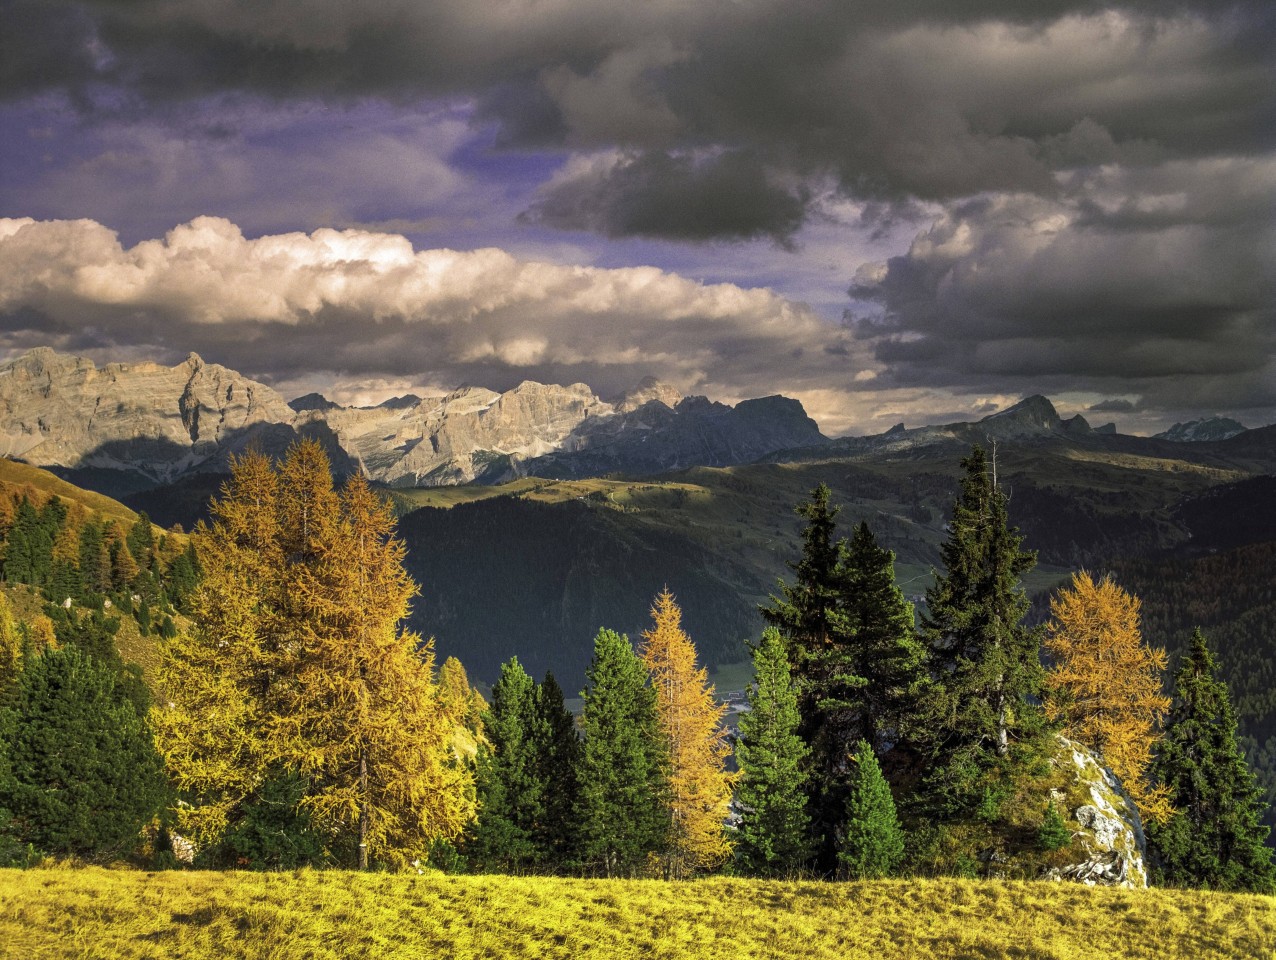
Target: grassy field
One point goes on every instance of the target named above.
(112, 915)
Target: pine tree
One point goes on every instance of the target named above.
(987, 663)
(95, 560)
(873, 844)
(19, 563)
(1105, 684)
(508, 777)
(772, 836)
(82, 774)
(860, 667)
(558, 761)
(695, 743)
(623, 807)
(1215, 838)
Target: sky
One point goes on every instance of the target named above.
(894, 210)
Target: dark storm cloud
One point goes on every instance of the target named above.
(678, 197)
(1164, 278)
(1112, 406)
(927, 99)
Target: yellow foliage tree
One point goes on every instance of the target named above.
(10, 645)
(691, 721)
(216, 680)
(361, 706)
(297, 663)
(1106, 683)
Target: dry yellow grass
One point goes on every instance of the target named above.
(112, 915)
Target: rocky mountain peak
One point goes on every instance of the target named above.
(1197, 431)
(1035, 411)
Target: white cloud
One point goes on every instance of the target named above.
(358, 302)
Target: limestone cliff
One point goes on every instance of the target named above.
(161, 423)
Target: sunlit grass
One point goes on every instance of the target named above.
(121, 914)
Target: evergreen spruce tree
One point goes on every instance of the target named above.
(1215, 838)
(507, 777)
(987, 663)
(812, 616)
(558, 750)
(623, 807)
(860, 668)
(882, 647)
(873, 843)
(82, 772)
(95, 560)
(772, 836)
(19, 564)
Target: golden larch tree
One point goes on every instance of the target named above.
(216, 680)
(296, 662)
(360, 714)
(1106, 684)
(691, 722)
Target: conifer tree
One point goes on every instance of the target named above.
(558, 761)
(1105, 684)
(987, 663)
(1215, 838)
(11, 647)
(772, 836)
(218, 681)
(82, 773)
(95, 560)
(860, 667)
(19, 560)
(623, 806)
(812, 616)
(298, 657)
(508, 778)
(882, 647)
(695, 743)
(360, 714)
(462, 702)
(873, 842)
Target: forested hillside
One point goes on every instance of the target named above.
(1231, 596)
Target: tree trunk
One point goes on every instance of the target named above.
(363, 809)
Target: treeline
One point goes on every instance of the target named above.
(69, 554)
(876, 745)
(297, 723)
(79, 772)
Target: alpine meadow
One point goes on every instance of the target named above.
(719, 480)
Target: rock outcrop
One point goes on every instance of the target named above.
(1108, 825)
(160, 423)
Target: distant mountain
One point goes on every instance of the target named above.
(130, 427)
(1195, 431)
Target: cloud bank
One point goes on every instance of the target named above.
(352, 303)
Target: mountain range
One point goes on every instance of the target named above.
(131, 426)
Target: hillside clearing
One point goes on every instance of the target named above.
(116, 915)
